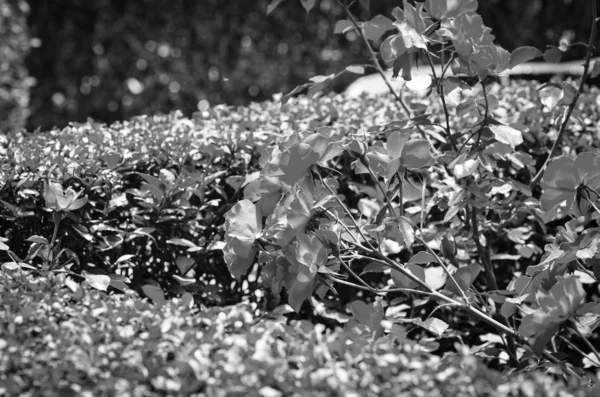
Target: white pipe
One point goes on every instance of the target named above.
(374, 85)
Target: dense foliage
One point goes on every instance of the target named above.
(60, 338)
(447, 236)
(84, 157)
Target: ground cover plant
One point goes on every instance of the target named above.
(426, 243)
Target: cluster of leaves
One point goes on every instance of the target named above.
(138, 203)
(14, 80)
(61, 338)
(445, 199)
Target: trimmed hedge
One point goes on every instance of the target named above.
(60, 338)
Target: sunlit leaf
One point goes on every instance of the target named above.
(243, 225)
(466, 168)
(594, 68)
(550, 95)
(433, 325)
(97, 281)
(506, 134)
(441, 9)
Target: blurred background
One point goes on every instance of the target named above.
(64, 61)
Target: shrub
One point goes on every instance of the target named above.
(453, 193)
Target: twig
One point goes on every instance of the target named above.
(374, 57)
(440, 90)
(572, 105)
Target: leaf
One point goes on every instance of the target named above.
(298, 293)
(297, 90)
(433, 325)
(187, 300)
(506, 134)
(416, 154)
(274, 4)
(464, 276)
(587, 323)
(155, 293)
(553, 54)
(37, 239)
(370, 315)
(310, 253)
(181, 241)
(466, 168)
(403, 281)
(118, 284)
(320, 83)
(52, 191)
(374, 267)
(441, 9)
(9, 267)
(594, 69)
(361, 311)
(243, 224)
(550, 95)
(97, 281)
(436, 277)
(403, 62)
(124, 258)
(183, 281)
(377, 27)
(407, 231)
(422, 258)
(295, 161)
(184, 264)
(357, 69)
(152, 180)
(523, 54)
(343, 26)
(392, 48)
(555, 307)
(308, 4)
(235, 181)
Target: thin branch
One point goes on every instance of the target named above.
(440, 90)
(347, 212)
(374, 57)
(485, 260)
(572, 105)
(587, 342)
